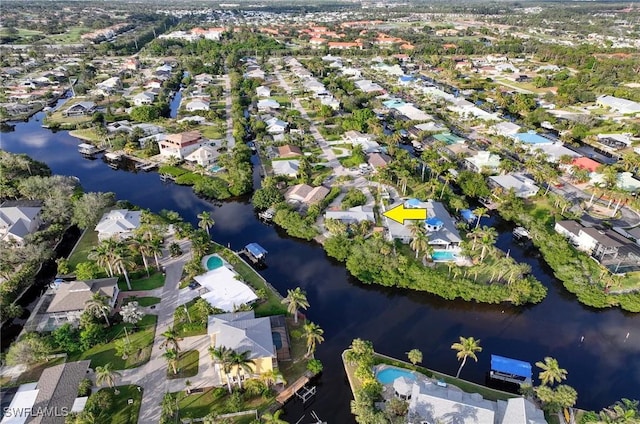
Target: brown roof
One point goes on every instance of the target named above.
(72, 295)
(379, 160)
(185, 137)
(289, 150)
(307, 194)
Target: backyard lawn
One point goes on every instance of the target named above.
(193, 323)
(87, 134)
(105, 353)
(211, 132)
(187, 365)
(121, 411)
(155, 281)
(292, 370)
(216, 400)
(87, 241)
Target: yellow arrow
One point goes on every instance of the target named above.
(401, 214)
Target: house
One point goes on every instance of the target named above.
(69, 298)
(265, 105)
(286, 167)
(378, 160)
(118, 223)
(263, 91)
(224, 287)
(255, 73)
(615, 141)
(48, 400)
(448, 138)
(405, 79)
(204, 155)
(276, 126)
(110, 85)
(483, 160)
(505, 129)
(344, 45)
(586, 163)
(356, 138)
(243, 332)
(355, 214)
(197, 105)
(531, 137)
(180, 145)
(19, 219)
(569, 229)
(522, 186)
(305, 194)
(80, 109)
(625, 181)
(145, 98)
(203, 79)
(289, 150)
(368, 86)
(623, 106)
(554, 151)
(599, 243)
(330, 101)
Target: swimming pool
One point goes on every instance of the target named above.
(214, 262)
(215, 169)
(443, 256)
(388, 375)
(277, 340)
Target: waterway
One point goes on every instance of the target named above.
(603, 367)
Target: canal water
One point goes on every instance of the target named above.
(603, 367)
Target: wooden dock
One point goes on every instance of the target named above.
(290, 391)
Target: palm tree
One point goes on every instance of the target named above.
(101, 254)
(171, 340)
(242, 362)
(415, 356)
(417, 227)
(296, 299)
(313, 335)
(168, 405)
(222, 356)
(467, 347)
(107, 375)
(274, 418)
(171, 355)
(98, 306)
(155, 249)
(551, 372)
(487, 239)
(206, 221)
(122, 260)
(480, 212)
(271, 377)
(419, 243)
(142, 246)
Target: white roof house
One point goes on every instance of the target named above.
(355, 214)
(368, 86)
(524, 187)
(197, 104)
(413, 113)
(16, 222)
(266, 104)
(204, 155)
(506, 129)
(263, 91)
(623, 106)
(286, 167)
(242, 332)
(144, 98)
(276, 126)
(110, 84)
(356, 138)
(118, 223)
(554, 151)
(224, 290)
(483, 160)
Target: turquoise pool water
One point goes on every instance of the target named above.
(388, 375)
(214, 262)
(215, 168)
(443, 255)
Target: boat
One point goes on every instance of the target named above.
(521, 233)
(88, 150)
(267, 215)
(113, 157)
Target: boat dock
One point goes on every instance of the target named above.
(267, 215)
(292, 390)
(255, 253)
(89, 150)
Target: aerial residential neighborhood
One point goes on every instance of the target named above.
(213, 212)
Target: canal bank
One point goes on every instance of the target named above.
(394, 320)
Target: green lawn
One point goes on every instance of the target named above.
(187, 365)
(121, 411)
(211, 132)
(87, 241)
(631, 280)
(31, 374)
(72, 35)
(155, 281)
(214, 400)
(143, 301)
(87, 134)
(106, 353)
(197, 326)
(292, 370)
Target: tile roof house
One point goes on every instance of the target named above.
(586, 163)
(286, 167)
(204, 155)
(379, 160)
(180, 145)
(70, 298)
(289, 150)
(18, 219)
(118, 223)
(242, 332)
(304, 193)
(55, 390)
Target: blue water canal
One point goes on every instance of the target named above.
(604, 367)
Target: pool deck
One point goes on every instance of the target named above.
(205, 259)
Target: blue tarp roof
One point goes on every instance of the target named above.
(510, 366)
(412, 203)
(467, 215)
(256, 250)
(434, 222)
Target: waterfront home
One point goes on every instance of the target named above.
(69, 298)
(599, 243)
(378, 160)
(224, 289)
(482, 161)
(276, 126)
(263, 91)
(80, 109)
(203, 79)
(180, 145)
(118, 223)
(522, 186)
(18, 219)
(197, 105)
(242, 332)
(289, 151)
(144, 98)
(56, 391)
(622, 106)
(286, 167)
(305, 195)
(265, 105)
(205, 156)
(351, 215)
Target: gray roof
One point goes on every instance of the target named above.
(58, 389)
(571, 226)
(450, 405)
(520, 411)
(72, 295)
(241, 331)
(357, 214)
(119, 221)
(19, 220)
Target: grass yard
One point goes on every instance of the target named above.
(87, 241)
(121, 411)
(72, 35)
(211, 132)
(630, 281)
(31, 374)
(106, 353)
(155, 281)
(143, 301)
(87, 134)
(187, 365)
(215, 400)
(184, 328)
(292, 370)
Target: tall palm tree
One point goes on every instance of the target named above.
(480, 212)
(155, 249)
(222, 356)
(296, 299)
(271, 377)
(142, 246)
(417, 227)
(168, 405)
(274, 418)
(171, 355)
(242, 363)
(171, 340)
(205, 221)
(122, 261)
(488, 238)
(101, 254)
(466, 348)
(415, 356)
(107, 375)
(98, 306)
(551, 372)
(312, 333)
(419, 243)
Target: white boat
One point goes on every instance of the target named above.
(114, 157)
(520, 232)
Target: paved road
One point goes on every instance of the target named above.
(231, 142)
